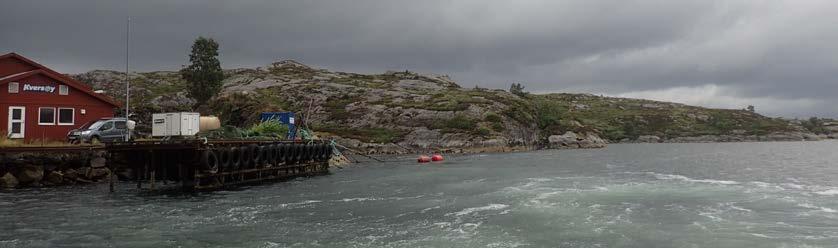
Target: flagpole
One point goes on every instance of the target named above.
(127, 82)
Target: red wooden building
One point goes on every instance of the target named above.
(37, 103)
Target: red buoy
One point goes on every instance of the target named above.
(423, 159)
(436, 157)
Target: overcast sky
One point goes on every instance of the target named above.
(781, 56)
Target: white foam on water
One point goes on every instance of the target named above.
(817, 208)
(740, 208)
(442, 224)
(302, 203)
(699, 225)
(429, 209)
(271, 244)
(793, 185)
(828, 192)
(687, 179)
(489, 207)
(767, 185)
(360, 199)
(506, 244)
(540, 179)
(760, 235)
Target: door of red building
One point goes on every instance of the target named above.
(17, 125)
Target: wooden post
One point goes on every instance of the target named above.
(183, 183)
(111, 180)
(196, 180)
(153, 165)
(151, 183)
(135, 168)
(165, 172)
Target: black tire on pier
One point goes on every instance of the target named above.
(287, 153)
(327, 152)
(312, 152)
(277, 150)
(245, 157)
(298, 152)
(235, 159)
(306, 153)
(316, 152)
(280, 153)
(209, 161)
(268, 155)
(323, 152)
(256, 154)
(224, 158)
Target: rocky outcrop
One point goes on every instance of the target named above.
(648, 139)
(570, 140)
(399, 112)
(24, 170)
(786, 136)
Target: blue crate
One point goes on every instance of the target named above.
(284, 118)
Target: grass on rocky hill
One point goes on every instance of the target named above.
(613, 118)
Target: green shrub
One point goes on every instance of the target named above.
(492, 117)
(498, 127)
(269, 128)
(548, 113)
(482, 131)
(460, 122)
(225, 132)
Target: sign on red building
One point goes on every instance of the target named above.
(37, 103)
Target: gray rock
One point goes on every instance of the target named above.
(648, 139)
(99, 173)
(8, 181)
(566, 139)
(84, 172)
(580, 106)
(30, 174)
(98, 162)
(651, 106)
(572, 140)
(70, 175)
(54, 178)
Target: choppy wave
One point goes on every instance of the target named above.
(687, 179)
(493, 206)
(818, 208)
(828, 192)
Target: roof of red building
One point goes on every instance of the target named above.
(43, 70)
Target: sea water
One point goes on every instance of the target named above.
(781, 194)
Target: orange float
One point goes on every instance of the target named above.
(437, 157)
(424, 159)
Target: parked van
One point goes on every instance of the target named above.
(102, 130)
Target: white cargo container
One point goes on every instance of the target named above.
(175, 124)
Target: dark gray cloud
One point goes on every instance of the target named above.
(778, 55)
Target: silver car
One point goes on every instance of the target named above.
(103, 130)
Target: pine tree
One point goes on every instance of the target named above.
(204, 74)
(517, 89)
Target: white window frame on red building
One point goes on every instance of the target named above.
(22, 122)
(46, 123)
(14, 88)
(72, 117)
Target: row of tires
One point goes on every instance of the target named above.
(261, 156)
